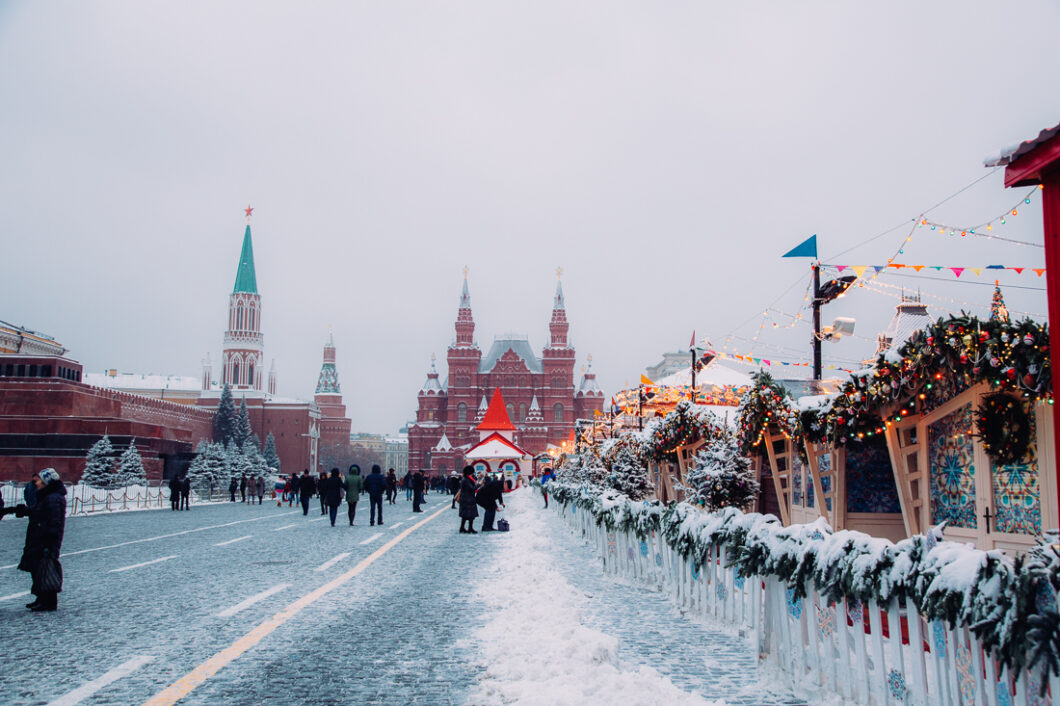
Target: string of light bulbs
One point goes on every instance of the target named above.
(964, 231)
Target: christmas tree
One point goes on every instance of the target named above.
(271, 457)
(131, 467)
(209, 470)
(242, 433)
(998, 311)
(224, 422)
(238, 463)
(255, 460)
(722, 477)
(99, 465)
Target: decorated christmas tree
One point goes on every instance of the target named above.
(722, 477)
(99, 465)
(224, 422)
(131, 467)
(998, 311)
(271, 457)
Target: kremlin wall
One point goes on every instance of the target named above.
(51, 412)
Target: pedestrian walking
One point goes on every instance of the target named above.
(452, 486)
(466, 498)
(406, 483)
(243, 487)
(391, 486)
(306, 488)
(545, 478)
(293, 496)
(489, 496)
(44, 539)
(333, 493)
(417, 491)
(260, 484)
(233, 486)
(185, 492)
(322, 490)
(354, 485)
(174, 493)
(375, 484)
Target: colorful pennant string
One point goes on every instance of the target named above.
(859, 270)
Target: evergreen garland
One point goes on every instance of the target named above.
(1009, 604)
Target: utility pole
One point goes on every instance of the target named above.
(817, 320)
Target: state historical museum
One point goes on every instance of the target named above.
(538, 392)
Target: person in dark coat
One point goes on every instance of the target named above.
(174, 493)
(489, 496)
(417, 491)
(468, 508)
(44, 535)
(186, 492)
(406, 483)
(322, 491)
(243, 487)
(233, 486)
(391, 486)
(333, 494)
(306, 487)
(375, 484)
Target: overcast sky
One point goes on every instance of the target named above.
(665, 154)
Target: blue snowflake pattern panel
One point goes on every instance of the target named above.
(1017, 495)
(951, 455)
(870, 480)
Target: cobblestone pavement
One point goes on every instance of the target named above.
(169, 586)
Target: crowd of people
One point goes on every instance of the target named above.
(44, 504)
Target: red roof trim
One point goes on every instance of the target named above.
(497, 437)
(496, 418)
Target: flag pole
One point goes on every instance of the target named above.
(816, 320)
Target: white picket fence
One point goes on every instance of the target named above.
(846, 649)
(83, 500)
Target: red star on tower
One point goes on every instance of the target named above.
(248, 210)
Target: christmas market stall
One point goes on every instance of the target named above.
(951, 427)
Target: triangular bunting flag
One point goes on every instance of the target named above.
(917, 267)
(859, 270)
(807, 248)
(1019, 270)
(840, 268)
(879, 268)
(767, 362)
(957, 270)
(1038, 271)
(995, 267)
(977, 270)
(937, 268)
(896, 266)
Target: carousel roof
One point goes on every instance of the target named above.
(495, 446)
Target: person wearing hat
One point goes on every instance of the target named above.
(466, 499)
(44, 538)
(354, 484)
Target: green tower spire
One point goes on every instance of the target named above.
(245, 279)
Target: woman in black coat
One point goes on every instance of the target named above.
(332, 493)
(44, 535)
(468, 507)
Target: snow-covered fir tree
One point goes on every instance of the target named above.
(255, 461)
(238, 463)
(131, 467)
(198, 472)
(271, 457)
(721, 477)
(243, 432)
(224, 421)
(628, 469)
(217, 472)
(99, 465)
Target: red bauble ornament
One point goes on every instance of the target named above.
(1011, 372)
(1029, 380)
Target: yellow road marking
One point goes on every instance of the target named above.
(184, 686)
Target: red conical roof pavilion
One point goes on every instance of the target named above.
(496, 418)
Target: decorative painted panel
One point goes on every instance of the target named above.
(1017, 495)
(796, 479)
(824, 464)
(870, 480)
(951, 460)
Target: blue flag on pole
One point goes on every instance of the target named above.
(807, 248)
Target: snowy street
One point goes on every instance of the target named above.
(244, 604)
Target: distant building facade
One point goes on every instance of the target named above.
(539, 392)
